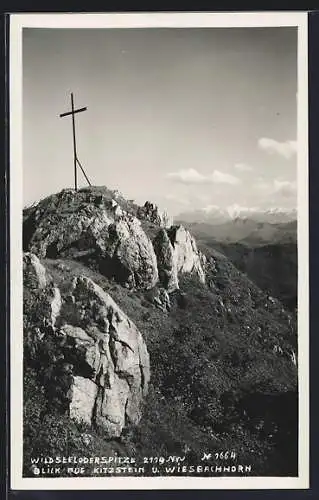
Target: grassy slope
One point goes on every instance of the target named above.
(273, 267)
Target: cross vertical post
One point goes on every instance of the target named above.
(76, 161)
(74, 144)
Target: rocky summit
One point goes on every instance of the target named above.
(139, 343)
(99, 225)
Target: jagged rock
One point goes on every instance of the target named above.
(88, 224)
(164, 299)
(34, 272)
(166, 261)
(133, 259)
(160, 298)
(152, 213)
(36, 278)
(187, 255)
(177, 252)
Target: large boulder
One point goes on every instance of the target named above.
(116, 353)
(177, 253)
(97, 343)
(89, 224)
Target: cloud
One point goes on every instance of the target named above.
(172, 197)
(263, 185)
(242, 167)
(285, 188)
(285, 149)
(189, 176)
(222, 178)
(211, 208)
(192, 176)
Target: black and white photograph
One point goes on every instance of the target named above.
(159, 334)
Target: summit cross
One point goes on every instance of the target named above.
(75, 156)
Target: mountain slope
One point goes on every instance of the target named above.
(267, 253)
(222, 355)
(273, 267)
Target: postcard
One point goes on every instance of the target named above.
(159, 251)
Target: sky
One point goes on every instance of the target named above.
(186, 118)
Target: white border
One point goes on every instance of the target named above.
(153, 20)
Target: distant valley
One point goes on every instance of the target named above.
(266, 252)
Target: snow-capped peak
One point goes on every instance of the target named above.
(215, 214)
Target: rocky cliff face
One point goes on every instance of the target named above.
(177, 253)
(100, 348)
(99, 226)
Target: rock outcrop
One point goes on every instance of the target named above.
(151, 213)
(100, 227)
(92, 225)
(117, 355)
(177, 252)
(38, 281)
(159, 296)
(34, 273)
(106, 352)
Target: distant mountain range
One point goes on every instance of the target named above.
(265, 251)
(216, 215)
(245, 231)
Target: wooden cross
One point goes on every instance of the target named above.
(75, 156)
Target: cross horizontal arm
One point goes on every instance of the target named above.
(73, 112)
